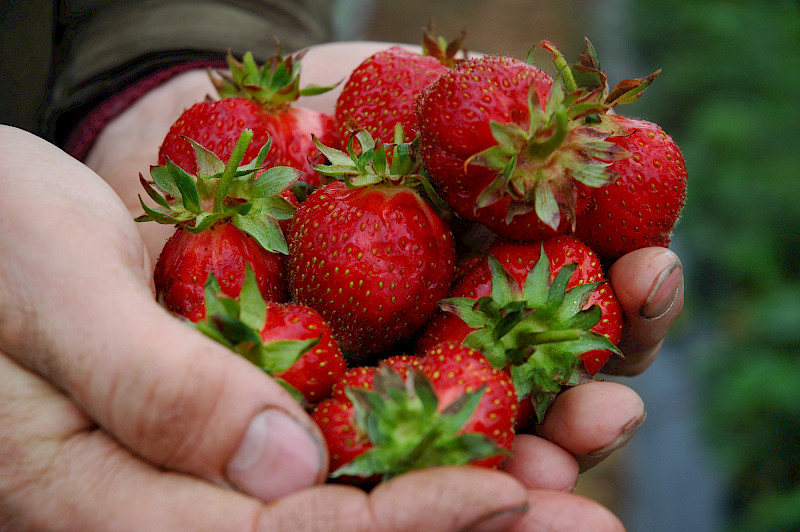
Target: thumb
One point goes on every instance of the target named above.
(184, 403)
(76, 308)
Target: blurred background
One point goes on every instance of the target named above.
(720, 450)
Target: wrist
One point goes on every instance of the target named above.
(80, 139)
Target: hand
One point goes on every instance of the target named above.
(128, 419)
(584, 422)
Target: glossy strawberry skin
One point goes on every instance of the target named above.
(373, 261)
(295, 127)
(186, 259)
(518, 258)
(216, 125)
(453, 370)
(641, 207)
(318, 369)
(454, 115)
(382, 90)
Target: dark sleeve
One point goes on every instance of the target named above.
(102, 47)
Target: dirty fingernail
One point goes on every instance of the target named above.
(664, 292)
(592, 458)
(497, 521)
(276, 457)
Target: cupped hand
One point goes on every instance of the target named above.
(584, 425)
(119, 416)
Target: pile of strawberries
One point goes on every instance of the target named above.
(424, 268)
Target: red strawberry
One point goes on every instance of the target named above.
(216, 125)
(290, 342)
(317, 369)
(381, 91)
(371, 255)
(224, 219)
(260, 98)
(336, 416)
(505, 146)
(550, 323)
(644, 203)
(454, 409)
(224, 250)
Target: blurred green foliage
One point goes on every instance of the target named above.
(730, 96)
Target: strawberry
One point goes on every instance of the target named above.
(505, 146)
(642, 206)
(644, 201)
(259, 98)
(381, 91)
(336, 416)
(291, 342)
(541, 310)
(224, 250)
(225, 218)
(453, 408)
(368, 252)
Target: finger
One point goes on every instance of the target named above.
(593, 420)
(541, 464)
(79, 312)
(184, 403)
(128, 144)
(59, 472)
(435, 500)
(649, 285)
(552, 511)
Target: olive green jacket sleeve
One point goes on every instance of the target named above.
(101, 46)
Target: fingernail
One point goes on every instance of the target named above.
(592, 458)
(276, 457)
(664, 292)
(497, 521)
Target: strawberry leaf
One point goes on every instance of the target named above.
(186, 187)
(274, 181)
(208, 163)
(265, 230)
(547, 208)
(252, 307)
(162, 178)
(502, 282)
(277, 356)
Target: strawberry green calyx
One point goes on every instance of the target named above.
(251, 200)
(588, 74)
(401, 419)
(538, 332)
(376, 163)
(236, 324)
(273, 85)
(537, 165)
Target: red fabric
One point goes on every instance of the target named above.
(86, 131)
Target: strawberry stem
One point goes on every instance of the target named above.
(549, 337)
(228, 174)
(563, 68)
